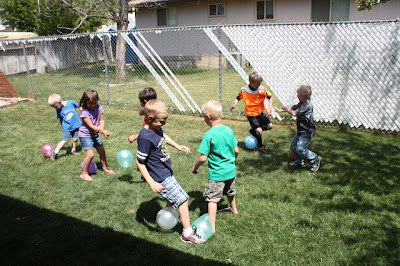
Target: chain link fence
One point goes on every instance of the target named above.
(353, 68)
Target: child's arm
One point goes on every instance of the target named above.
(155, 186)
(235, 102)
(199, 163)
(100, 128)
(236, 150)
(270, 101)
(132, 138)
(94, 128)
(285, 109)
(169, 141)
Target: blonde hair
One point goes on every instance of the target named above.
(154, 108)
(213, 109)
(255, 77)
(305, 90)
(54, 99)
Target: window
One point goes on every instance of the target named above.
(330, 10)
(217, 9)
(265, 9)
(166, 16)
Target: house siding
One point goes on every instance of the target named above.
(243, 12)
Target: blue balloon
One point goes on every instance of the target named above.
(203, 226)
(250, 142)
(125, 158)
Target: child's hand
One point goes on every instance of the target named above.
(105, 133)
(183, 148)
(268, 112)
(131, 139)
(156, 187)
(278, 110)
(194, 171)
(232, 107)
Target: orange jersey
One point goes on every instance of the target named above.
(253, 100)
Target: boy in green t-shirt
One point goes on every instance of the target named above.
(220, 147)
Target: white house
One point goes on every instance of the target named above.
(156, 13)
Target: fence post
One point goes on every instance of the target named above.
(220, 67)
(106, 69)
(27, 70)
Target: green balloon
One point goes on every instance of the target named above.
(125, 158)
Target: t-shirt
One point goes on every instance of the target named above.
(253, 99)
(69, 116)
(305, 119)
(94, 115)
(218, 144)
(152, 150)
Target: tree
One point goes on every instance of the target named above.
(368, 4)
(28, 15)
(115, 10)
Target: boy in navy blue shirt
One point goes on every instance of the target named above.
(70, 123)
(154, 163)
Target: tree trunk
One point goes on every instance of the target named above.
(122, 24)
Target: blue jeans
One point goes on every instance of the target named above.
(299, 149)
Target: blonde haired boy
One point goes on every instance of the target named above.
(154, 163)
(70, 123)
(304, 113)
(220, 148)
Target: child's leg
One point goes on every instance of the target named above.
(232, 203)
(183, 210)
(303, 151)
(103, 159)
(89, 157)
(73, 148)
(212, 213)
(59, 146)
(293, 149)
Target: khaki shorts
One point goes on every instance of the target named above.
(216, 189)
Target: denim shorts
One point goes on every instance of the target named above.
(89, 143)
(173, 192)
(67, 135)
(216, 189)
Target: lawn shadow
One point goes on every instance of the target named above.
(34, 236)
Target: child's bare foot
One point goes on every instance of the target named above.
(86, 177)
(234, 210)
(108, 171)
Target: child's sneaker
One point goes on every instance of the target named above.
(296, 164)
(262, 150)
(53, 156)
(193, 238)
(316, 164)
(74, 153)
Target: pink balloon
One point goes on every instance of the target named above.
(92, 168)
(46, 149)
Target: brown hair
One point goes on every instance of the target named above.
(147, 94)
(88, 94)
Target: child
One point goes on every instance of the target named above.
(220, 147)
(70, 123)
(145, 95)
(154, 163)
(253, 96)
(92, 124)
(305, 129)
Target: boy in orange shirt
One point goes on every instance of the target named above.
(253, 96)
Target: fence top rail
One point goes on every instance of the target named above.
(107, 33)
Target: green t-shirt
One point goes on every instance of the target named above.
(218, 144)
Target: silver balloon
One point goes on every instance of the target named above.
(167, 218)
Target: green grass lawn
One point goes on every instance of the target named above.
(345, 214)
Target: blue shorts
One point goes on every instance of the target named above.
(89, 143)
(67, 135)
(173, 192)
